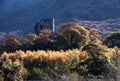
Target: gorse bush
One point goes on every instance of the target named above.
(42, 65)
(53, 63)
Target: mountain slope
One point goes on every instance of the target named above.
(22, 14)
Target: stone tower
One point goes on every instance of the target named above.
(44, 24)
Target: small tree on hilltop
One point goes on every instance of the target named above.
(76, 36)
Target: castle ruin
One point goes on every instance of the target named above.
(44, 24)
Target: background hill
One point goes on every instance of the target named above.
(22, 14)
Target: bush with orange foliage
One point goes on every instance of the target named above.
(50, 62)
(40, 64)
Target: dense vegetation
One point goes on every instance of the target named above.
(71, 54)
